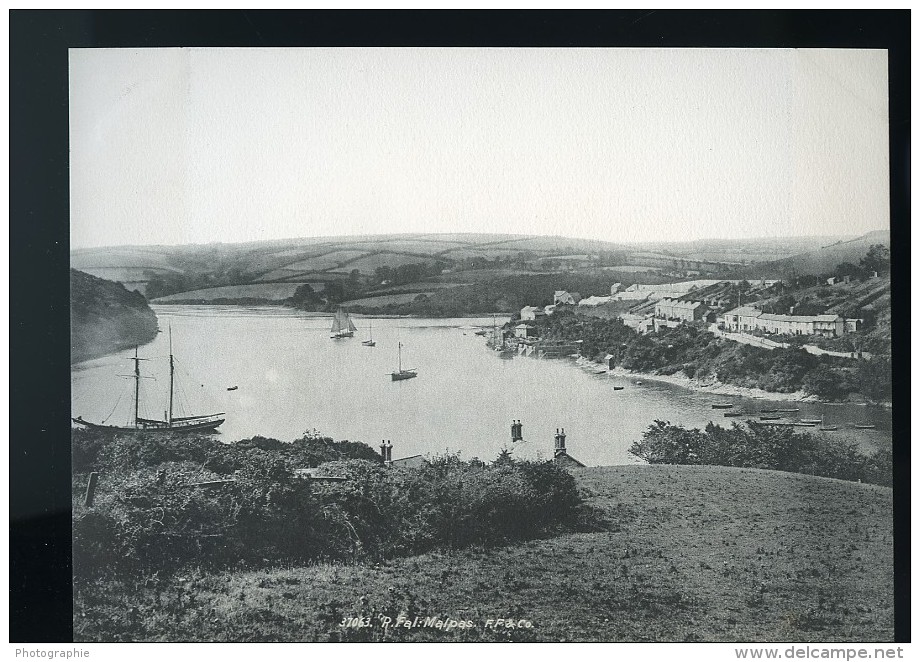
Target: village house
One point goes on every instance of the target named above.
(549, 310)
(561, 297)
(530, 313)
(638, 323)
(852, 325)
(674, 309)
(524, 331)
(561, 455)
(748, 318)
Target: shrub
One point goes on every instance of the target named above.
(257, 510)
(761, 446)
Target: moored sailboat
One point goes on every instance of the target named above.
(170, 423)
(400, 373)
(370, 335)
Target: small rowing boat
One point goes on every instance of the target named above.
(722, 405)
(860, 426)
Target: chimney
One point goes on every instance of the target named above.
(389, 458)
(383, 450)
(516, 431)
(560, 443)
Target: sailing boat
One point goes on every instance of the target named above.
(170, 423)
(370, 335)
(342, 326)
(408, 373)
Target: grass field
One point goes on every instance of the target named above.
(686, 554)
(268, 291)
(385, 299)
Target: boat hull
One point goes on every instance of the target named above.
(405, 374)
(186, 427)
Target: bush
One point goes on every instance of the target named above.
(827, 383)
(761, 446)
(257, 510)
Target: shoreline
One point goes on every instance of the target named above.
(718, 388)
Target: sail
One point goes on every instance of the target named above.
(340, 321)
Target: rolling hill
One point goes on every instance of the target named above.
(822, 260)
(105, 317)
(271, 270)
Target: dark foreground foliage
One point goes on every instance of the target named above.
(763, 447)
(166, 503)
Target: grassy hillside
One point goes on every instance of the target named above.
(161, 271)
(686, 554)
(824, 259)
(105, 317)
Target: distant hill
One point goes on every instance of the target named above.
(106, 317)
(822, 260)
(270, 271)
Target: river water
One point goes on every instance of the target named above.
(291, 377)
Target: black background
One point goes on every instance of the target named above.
(40, 572)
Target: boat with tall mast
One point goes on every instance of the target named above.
(342, 326)
(170, 422)
(400, 373)
(370, 335)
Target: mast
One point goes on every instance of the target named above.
(171, 371)
(399, 357)
(137, 383)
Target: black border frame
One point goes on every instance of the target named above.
(40, 522)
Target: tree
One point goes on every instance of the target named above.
(849, 269)
(874, 377)
(827, 383)
(304, 296)
(335, 291)
(877, 259)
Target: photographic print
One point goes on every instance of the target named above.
(481, 345)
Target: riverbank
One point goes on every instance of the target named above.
(716, 387)
(709, 386)
(106, 318)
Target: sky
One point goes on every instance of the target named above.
(185, 145)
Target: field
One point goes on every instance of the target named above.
(167, 270)
(385, 299)
(686, 554)
(268, 291)
(824, 259)
(366, 265)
